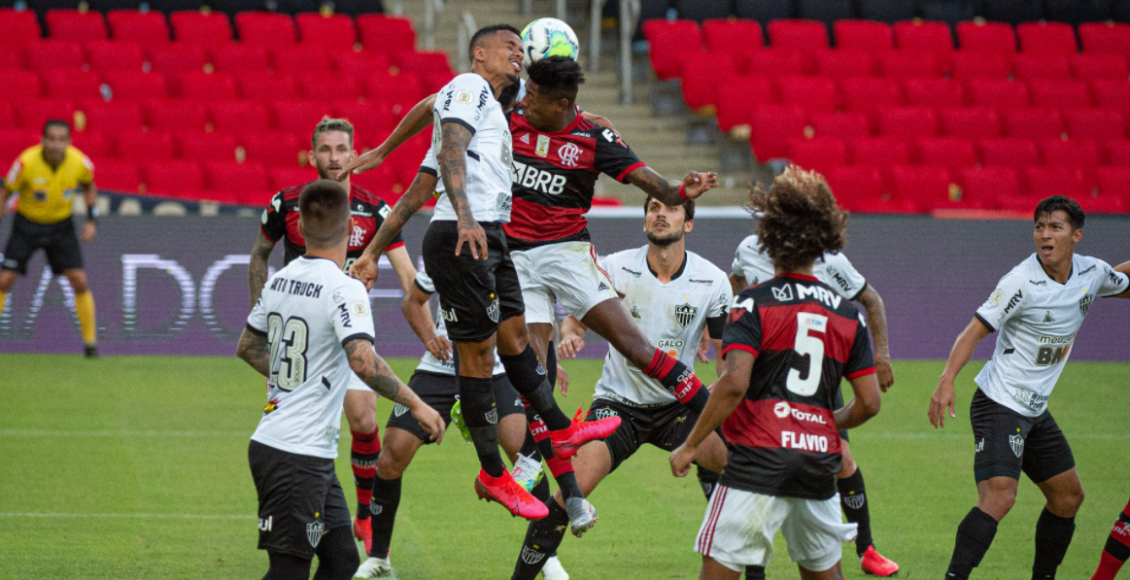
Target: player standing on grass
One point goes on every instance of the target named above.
(673, 295)
(752, 266)
(786, 345)
(1038, 308)
(45, 177)
(1117, 549)
(310, 333)
(332, 144)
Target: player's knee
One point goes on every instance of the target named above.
(391, 463)
(998, 500)
(1067, 503)
(7, 280)
(77, 278)
(848, 468)
(362, 420)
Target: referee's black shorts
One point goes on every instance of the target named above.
(58, 240)
(1007, 443)
(474, 295)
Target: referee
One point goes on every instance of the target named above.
(46, 177)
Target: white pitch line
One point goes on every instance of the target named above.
(124, 433)
(130, 516)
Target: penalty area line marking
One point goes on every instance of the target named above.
(124, 433)
(129, 516)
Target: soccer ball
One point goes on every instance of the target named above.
(548, 37)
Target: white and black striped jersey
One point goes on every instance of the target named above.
(834, 270)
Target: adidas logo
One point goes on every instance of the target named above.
(602, 287)
(1048, 316)
(525, 139)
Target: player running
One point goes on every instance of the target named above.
(45, 177)
(1038, 308)
(674, 295)
(309, 333)
(786, 345)
(332, 144)
(752, 266)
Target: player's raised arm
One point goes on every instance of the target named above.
(944, 397)
(877, 322)
(423, 186)
(372, 369)
(418, 118)
(672, 193)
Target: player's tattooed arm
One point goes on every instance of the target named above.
(672, 193)
(259, 266)
(255, 351)
(877, 322)
(452, 160)
(372, 369)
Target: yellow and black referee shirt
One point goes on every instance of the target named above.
(46, 193)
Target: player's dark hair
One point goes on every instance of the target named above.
(328, 124)
(56, 123)
(688, 208)
(323, 207)
(801, 220)
(508, 94)
(486, 32)
(1066, 205)
(558, 76)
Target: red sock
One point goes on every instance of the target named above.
(679, 379)
(1117, 549)
(363, 455)
(559, 467)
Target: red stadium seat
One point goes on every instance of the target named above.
(147, 28)
(1080, 154)
(239, 116)
(128, 85)
(702, 75)
(71, 83)
(177, 178)
(1113, 94)
(238, 183)
(798, 34)
(202, 86)
(1118, 152)
(112, 116)
(923, 36)
(997, 93)
(980, 36)
(856, 188)
(328, 85)
(19, 85)
(114, 175)
(394, 91)
(15, 141)
(879, 151)
(266, 87)
(908, 122)
(771, 62)
(430, 67)
(980, 64)
(868, 95)
(933, 92)
(1012, 153)
(237, 59)
(286, 177)
(114, 55)
(773, 127)
(1032, 123)
(818, 154)
(1101, 124)
(1059, 94)
(297, 60)
(298, 116)
(1115, 181)
(266, 28)
(276, 149)
(334, 32)
(373, 124)
(969, 122)
(907, 64)
(175, 115)
(359, 64)
(175, 58)
(10, 59)
(93, 144)
(388, 34)
(76, 25)
(1047, 38)
(927, 187)
(54, 54)
(986, 186)
(148, 145)
(1088, 67)
(863, 35)
(33, 114)
(953, 153)
(1106, 38)
(814, 94)
(8, 119)
(670, 42)
(1027, 66)
(18, 27)
(844, 64)
(202, 146)
(737, 98)
(723, 35)
(839, 125)
(205, 29)
(1048, 181)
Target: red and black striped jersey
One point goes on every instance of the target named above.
(554, 176)
(782, 437)
(280, 222)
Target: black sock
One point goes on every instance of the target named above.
(1053, 536)
(974, 536)
(708, 480)
(542, 538)
(530, 380)
(551, 364)
(754, 573)
(530, 446)
(385, 502)
(337, 555)
(481, 415)
(853, 500)
(541, 490)
(287, 567)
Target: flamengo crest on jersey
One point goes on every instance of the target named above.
(834, 270)
(1038, 319)
(671, 315)
(308, 311)
(428, 362)
(468, 100)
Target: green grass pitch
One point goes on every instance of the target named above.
(137, 468)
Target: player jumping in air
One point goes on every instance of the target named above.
(1038, 308)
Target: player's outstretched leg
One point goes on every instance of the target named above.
(1117, 549)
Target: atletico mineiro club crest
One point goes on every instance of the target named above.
(684, 314)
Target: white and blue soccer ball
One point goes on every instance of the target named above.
(546, 37)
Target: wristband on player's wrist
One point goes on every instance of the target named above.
(91, 214)
(683, 191)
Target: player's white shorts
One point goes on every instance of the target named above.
(566, 271)
(739, 528)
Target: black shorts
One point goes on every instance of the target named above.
(299, 499)
(440, 393)
(474, 295)
(665, 426)
(58, 240)
(1007, 443)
